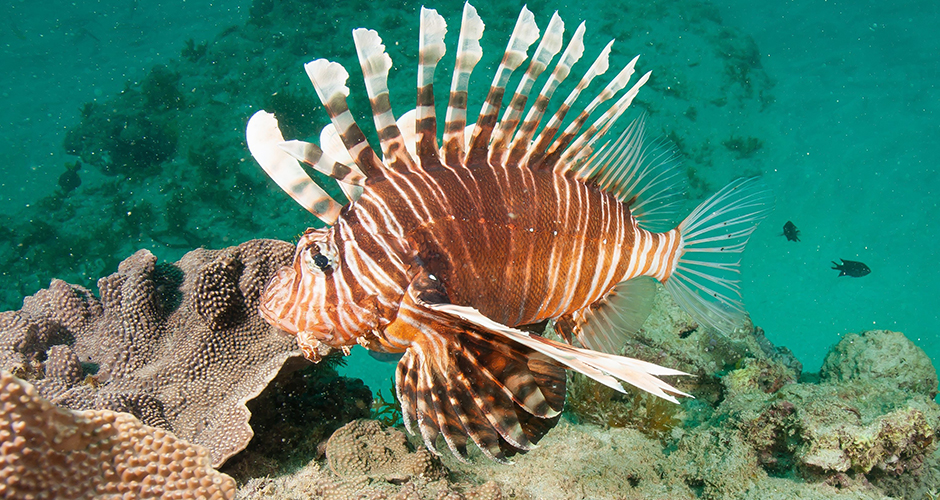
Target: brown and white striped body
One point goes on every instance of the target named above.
(443, 252)
(520, 246)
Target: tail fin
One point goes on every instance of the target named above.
(705, 282)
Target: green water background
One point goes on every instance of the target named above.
(851, 143)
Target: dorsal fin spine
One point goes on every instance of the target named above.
(523, 36)
(264, 137)
(544, 53)
(524, 134)
(329, 80)
(537, 151)
(469, 53)
(431, 49)
(375, 64)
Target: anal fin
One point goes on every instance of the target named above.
(607, 324)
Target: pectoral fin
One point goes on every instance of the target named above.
(458, 381)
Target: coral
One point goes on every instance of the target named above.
(880, 354)
(365, 448)
(52, 453)
(179, 346)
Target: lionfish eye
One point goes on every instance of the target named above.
(322, 262)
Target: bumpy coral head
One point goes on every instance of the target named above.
(311, 299)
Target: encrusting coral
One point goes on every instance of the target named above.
(179, 346)
(52, 453)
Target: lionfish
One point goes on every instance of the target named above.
(451, 254)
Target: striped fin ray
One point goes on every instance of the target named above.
(582, 147)
(264, 141)
(560, 145)
(571, 55)
(548, 47)
(706, 279)
(329, 80)
(525, 33)
(375, 63)
(605, 368)
(469, 53)
(332, 145)
(431, 49)
(536, 151)
(643, 174)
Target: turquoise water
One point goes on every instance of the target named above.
(850, 132)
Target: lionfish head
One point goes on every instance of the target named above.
(302, 298)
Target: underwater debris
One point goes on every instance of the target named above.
(180, 347)
(51, 452)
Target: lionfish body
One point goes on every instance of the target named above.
(445, 252)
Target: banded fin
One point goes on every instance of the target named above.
(643, 174)
(329, 80)
(607, 324)
(706, 278)
(561, 144)
(431, 49)
(547, 49)
(458, 381)
(536, 151)
(607, 369)
(332, 145)
(469, 53)
(525, 33)
(264, 142)
(375, 63)
(520, 142)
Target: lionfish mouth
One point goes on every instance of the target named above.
(276, 302)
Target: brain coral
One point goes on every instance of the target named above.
(47, 452)
(180, 346)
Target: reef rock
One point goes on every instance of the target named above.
(180, 346)
(881, 354)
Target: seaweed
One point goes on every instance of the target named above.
(192, 52)
(743, 147)
(387, 412)
(598, 404)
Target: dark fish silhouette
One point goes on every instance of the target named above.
(851, 268)
(791, 232)
(69, 180)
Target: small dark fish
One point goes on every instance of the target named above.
(791, 232)
(851, 268)
(69, 180)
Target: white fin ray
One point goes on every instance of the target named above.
(264, 139)
(605, 368)
(469, 53)
(643, 174)
(706, 279)
(608, 324)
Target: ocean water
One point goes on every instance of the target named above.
(847, 112)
